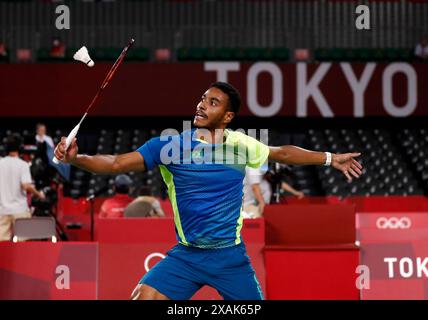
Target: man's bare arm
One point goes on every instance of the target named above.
(28, 187)
(258, 195)
(298, 156)
(110, 164)
(101, 164)
(295, 155)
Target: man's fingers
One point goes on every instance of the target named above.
(59, 151)
(356, 169)
(355, 154)
(347, 175)
(356, 175)
(355, 162)
(61, 145)
(74, 142)
(59, 155)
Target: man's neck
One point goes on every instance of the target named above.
(13, 154)
(214, 136)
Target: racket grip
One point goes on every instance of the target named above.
(68, 141)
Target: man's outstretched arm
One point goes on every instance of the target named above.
(345, 162)
(100, 164)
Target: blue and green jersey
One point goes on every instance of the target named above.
(205, 183)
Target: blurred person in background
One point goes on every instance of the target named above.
(154, 208)
(41, 135)
(258, 191)
(15, 182)
(3, 50)
(57, 49)
(114, 207)
(421, 50)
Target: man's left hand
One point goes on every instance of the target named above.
(347, 164)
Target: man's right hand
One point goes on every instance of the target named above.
(261, 208)
(41, 195)
(68, 155)
(300, 195)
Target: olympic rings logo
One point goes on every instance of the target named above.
(393, 223)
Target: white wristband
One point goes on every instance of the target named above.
(327, 159)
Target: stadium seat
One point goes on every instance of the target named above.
(196, 54)
(387, 172)
(321, 54)
(281, 54)
(35, 228)
(337, 54)
(43, 55)
(139, 54)
(182, 54)
(225, 53)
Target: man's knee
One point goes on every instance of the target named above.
(145, 292)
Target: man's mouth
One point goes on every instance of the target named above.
(200, 115)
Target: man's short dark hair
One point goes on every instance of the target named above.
(232, 93)
(13, 143)
(40, 124)
(122, 184)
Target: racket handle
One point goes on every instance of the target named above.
(68, 141)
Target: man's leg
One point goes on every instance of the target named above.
(241, 286)
(234, 277)
(6, 227)
(171, 278)
(145, 292)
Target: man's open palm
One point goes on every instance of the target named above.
(347, 164)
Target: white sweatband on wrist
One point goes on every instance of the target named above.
(327, 159)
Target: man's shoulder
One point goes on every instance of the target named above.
(249, 140)
(15, 161)
(236, 136)
(23, 163)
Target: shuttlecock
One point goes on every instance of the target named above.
(83, 56)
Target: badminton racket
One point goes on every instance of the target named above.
(106, 81)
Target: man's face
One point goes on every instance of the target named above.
(212, 111)
(41, 130)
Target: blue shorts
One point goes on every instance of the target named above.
(187, 269)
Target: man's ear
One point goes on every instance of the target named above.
(228, 117)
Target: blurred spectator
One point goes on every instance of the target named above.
(285, 186)
(301, 54)
(3, 50)
(163, 55)
(57, 49)
(258, 191)
(151, 209)
(23, 55)
(41, 135)
(421, 50)
(115, 206)
(15, 181)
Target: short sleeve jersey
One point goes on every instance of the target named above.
(205, 183)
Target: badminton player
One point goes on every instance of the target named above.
(206, 197)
